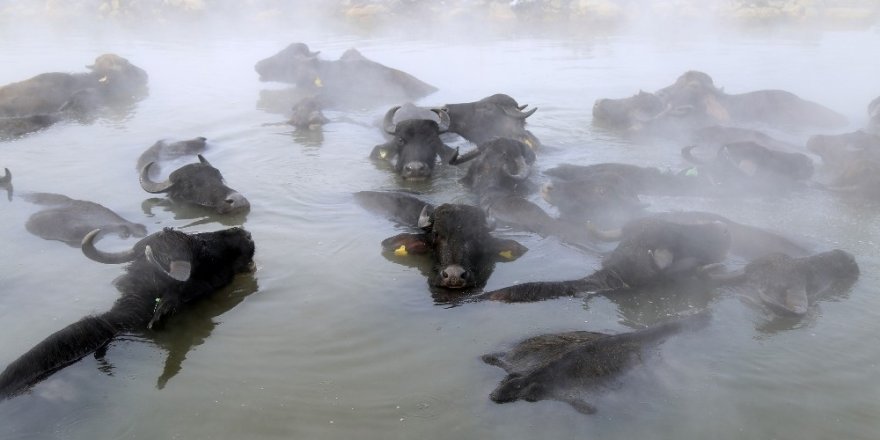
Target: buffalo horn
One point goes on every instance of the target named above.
(388, 122)
(203, 161)
(178, 270)
(425, 218)
(7, 178)
(444, 119)
(150, 186)
(522, 107)
(88, 249)
(686, 153)
(517, 113)
(470, 155)
(522, 170)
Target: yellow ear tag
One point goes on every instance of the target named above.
(529, 143)
(506, 254)
(401, 251)
(383, 154)
(318, 82)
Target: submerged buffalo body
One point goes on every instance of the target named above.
(353, 80)
(167, 271)
(750, 166)
(789, 285)
(198, 184)
(36, 103)
(69, 220)
(566, 366)
(456, 238)
(415, 143)
(650, 251)
(496, 116)
(693, 102)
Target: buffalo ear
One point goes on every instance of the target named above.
(179, 270)
(507, 250)
(661, 257)
(404, 244)
(384, 152)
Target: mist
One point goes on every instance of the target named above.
(331, 337)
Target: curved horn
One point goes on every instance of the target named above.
(179, 270)
(522, 107)
(204, 161)
(150, 186)
(522, 170)
(7, 178)
(445, 121)
(426, 217)
(686, 153)
(470, 155)
(388, 121)
(517, 113)
(88, 249)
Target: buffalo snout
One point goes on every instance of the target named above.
(454, 276)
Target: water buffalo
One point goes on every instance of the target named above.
(745, 240)
(600, 199)
(456, 237)
(788, 285)
(693, 102)
(639, 180)
(69, 220)
(351, 81)
(748, 165)
(650, 251)
(198, 184)
(111, 77)
(565, 366)
(168, 270)
(165, 149)
(415, 143)
(496, 116)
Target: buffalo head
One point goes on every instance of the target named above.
(200, 184)
(492, 117)
(459, 241)
(293, 64)
(627, 113)
(415, 144)
(117, 76)
(499, 164)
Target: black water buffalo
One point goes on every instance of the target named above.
(745, 240)
(198, 184)
(751, 166)
(498, 177)
(351, 81)
(69, 220)
(650, 251)
(38, 102)
(496, 116)
(456, 237)
(637, 179)
(788, 285)
(600, 199)
(168, 270)
(164, 150)
(415, 143)
(565, 366)
(693, 102)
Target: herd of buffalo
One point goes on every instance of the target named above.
(596, 203)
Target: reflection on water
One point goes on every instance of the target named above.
(342, 342)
